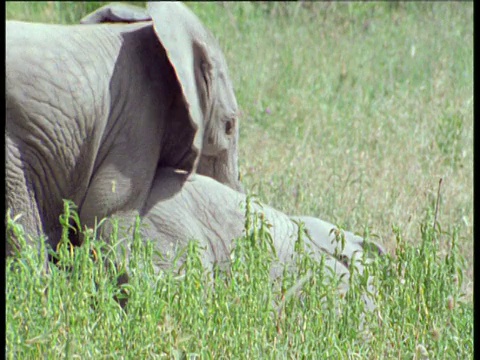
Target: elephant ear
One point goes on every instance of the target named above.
(185, 40)
(116, 13)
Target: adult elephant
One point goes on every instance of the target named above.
(93, 110)
(182, 208)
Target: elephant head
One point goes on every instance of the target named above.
(208, 100)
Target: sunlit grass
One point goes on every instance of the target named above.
(354, 112)
(351, 112)
(237, 312)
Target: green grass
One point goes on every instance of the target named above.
(351, 112)
(71, 312)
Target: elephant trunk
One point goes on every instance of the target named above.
(223, 168)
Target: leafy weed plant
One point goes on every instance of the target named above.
(236, 311)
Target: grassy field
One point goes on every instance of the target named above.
(351, 112)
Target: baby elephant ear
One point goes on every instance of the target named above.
(186, 42)
(116, 13)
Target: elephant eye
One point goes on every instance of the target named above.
(229, 125)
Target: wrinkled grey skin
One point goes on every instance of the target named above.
(181, 208)
(93, 110)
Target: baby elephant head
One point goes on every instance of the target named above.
(219, 156)
(208, 93)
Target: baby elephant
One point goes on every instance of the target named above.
(183, 207)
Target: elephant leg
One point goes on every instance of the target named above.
(105, 198)
(21, 200)
(122, 180)
(121, 238)
(119, 230)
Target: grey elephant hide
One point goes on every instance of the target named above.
(93, 110)
(182, 208)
